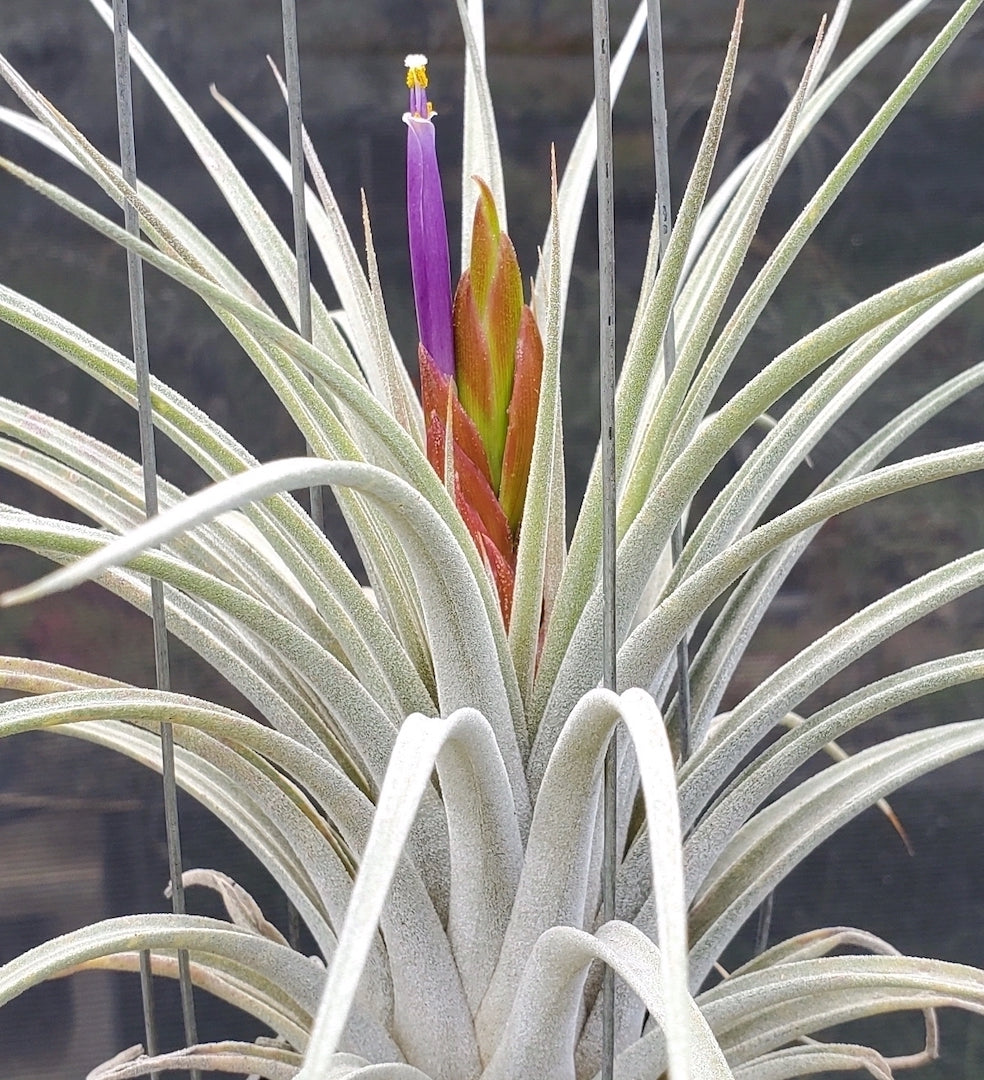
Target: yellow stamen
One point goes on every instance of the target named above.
(416, 71)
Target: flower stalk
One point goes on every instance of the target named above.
(480, 355)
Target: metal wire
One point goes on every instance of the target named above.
(664, 217)
(302, 252)
(136, 856)
(764, 923)
(606, 288)
(148, 457)
(149, 1006)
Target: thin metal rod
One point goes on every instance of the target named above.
(151, 1040)
(302, 252)
(148, 456)
(764, 923)
(606, 278)
(664, 217)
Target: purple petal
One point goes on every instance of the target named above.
(430, 261)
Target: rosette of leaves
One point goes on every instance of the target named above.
(423, 783)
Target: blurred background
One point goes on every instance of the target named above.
(81, 831)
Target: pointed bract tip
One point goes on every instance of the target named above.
(485, 207)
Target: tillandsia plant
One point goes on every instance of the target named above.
(422, 768)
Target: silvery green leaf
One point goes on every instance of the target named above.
(652, 643)
(766, 773)
(542, 540)
(264, 236)
(822, 96)
(782, 691)
(721, 649)
(639, 366)
(266, 796)
(445, 1044)
(288, 981)
(765, 1010)
(395, 444)
(248, 669)
(544, 1018)
(679, 411)
(779, 836)
(342, 1068)
(311, 560)
(380, 363)
(783, 254)
(789, 441)
(562, 835)
(480, 154)
(457, 620)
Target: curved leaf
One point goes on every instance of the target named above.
(291, 982)
(806, 1060)
(553, 888)
(445, 1045)
(457, 621)
(780, 760)
(547, 1002)
(263, 1062)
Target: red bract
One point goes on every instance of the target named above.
(498, 358)
(474, 496)
(521, 426)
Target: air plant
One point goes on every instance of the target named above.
(422, 773)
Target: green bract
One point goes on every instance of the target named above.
(424, 784)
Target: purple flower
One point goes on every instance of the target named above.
(430, 262)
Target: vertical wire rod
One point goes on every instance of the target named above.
(764, 923)
(302, 251)
(136, 855)
(302, 254)
(664, 218)
(148, 456)
(601, 37)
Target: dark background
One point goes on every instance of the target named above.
(917, 200)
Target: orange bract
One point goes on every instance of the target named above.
(493, 396)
